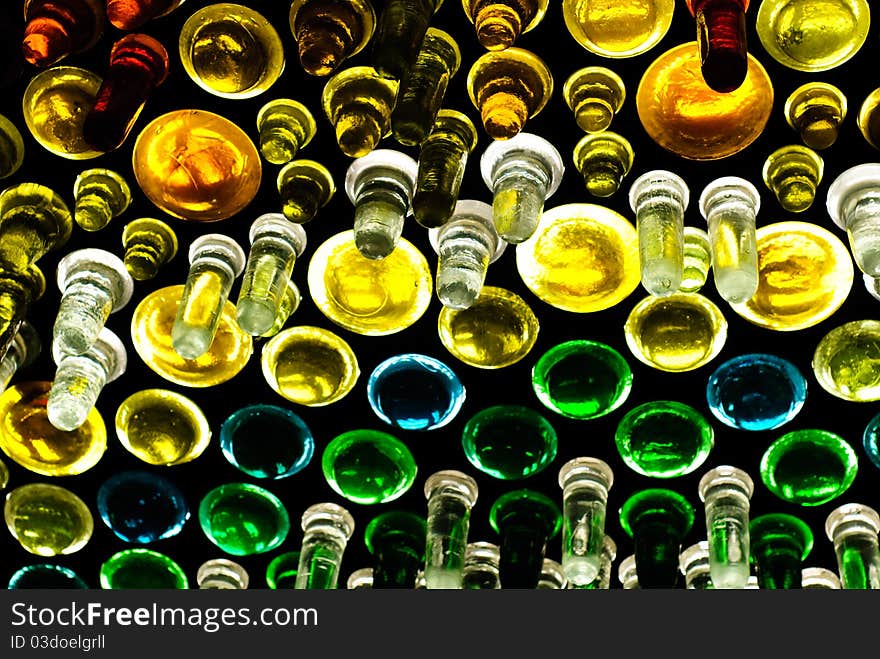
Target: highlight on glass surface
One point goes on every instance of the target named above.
(162, 427)
(415, 392)
(196, 165)
(713, 125)
(309, 365)
(664, 439)
(805, 274)
(676, 333)
(581, 258)
(809, 466)
(813, 36)
(142, 507)
(55, 105)
(243, 519)
(509, 442)
(756, 391)
(582, 379)
(368, 466)
(498, 330)
(231, 50)
(610, 28)
(266, 441)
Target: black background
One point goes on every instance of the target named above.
(441, 449)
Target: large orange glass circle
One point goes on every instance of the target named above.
(685, 116)
(196, 165)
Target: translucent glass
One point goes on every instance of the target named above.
(451, 495)
(327, 528)
(142, 569)
(809, 467)
(659, 199)
(853, 529)
(508, 87)
(266, 441)
(657, 520)
(585, 483)
(55, 105)
(526, 520)
(582, 379)
(594, 94)
(151, 330)
(373, 297)
(142, 507)
(509, 441)
(581, 258)
(196, 165)
(415, 392)
(793, 173)
(815, 36)
(779, 545)
(231, 51)
(396, 540)
(711, 125)
(48, 520)
(162, 427)
(243, 519)
(676, 333)
(726, 492)
(29, 439)
(499, 329)
(222, 574)
(871, 440)
(805, 274)
(756, 392)
(309, 365)
(852, 202)
(368, 466)
(328, 33)
(664, 439)
(46, 576)
(846, 363)
(615, 28)
(816, 110)
(281, 571)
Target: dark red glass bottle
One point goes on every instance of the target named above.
(138, 64)
(721, 34)
(131, 14)
(55, 29)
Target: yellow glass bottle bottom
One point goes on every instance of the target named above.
(581, 258)
(366, 296)
(162, 427)
(684, 115)
(48, 520)
(231, 51)
(676, 333)
(618, 28)
(813, 35)
(28, 438)
(805, 274)
(151, 326)
(498, 330)
(55, 105)
(196, 165)
(309, 365)
(847, 361)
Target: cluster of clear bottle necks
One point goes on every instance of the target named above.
(436, 552)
